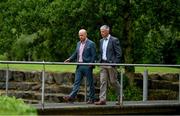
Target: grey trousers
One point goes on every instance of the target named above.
(108, 73)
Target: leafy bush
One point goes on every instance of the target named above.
(131, 92)
(13, 106)
(111, 95)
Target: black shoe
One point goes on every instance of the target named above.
(90, 101)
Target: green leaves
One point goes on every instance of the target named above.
(13, 106)
(138, 25)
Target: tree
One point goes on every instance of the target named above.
(137, 24)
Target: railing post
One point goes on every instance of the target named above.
(179, 87)
(85, 89)
(43, 86)
(145, 85)
(7, 79)
(121, 89)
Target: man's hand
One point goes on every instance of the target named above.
(67, 60)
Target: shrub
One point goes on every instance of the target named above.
(131, 92)
(13, 106)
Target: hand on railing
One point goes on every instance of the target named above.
(67, 60)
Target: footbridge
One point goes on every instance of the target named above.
(144, 106)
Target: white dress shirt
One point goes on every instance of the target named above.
(104, 47)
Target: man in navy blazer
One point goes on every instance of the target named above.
(110, 52)
(85, 53)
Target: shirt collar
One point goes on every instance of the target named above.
(107, 38)
(83, 42)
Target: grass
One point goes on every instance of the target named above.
(35, 67)
(71, 68)
(157, 69)
(49, 68)
(15, 107)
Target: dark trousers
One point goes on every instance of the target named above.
(80, 72)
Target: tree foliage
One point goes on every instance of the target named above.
(48, 29)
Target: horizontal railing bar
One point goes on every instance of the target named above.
(98, 64)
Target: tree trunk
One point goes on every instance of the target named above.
(128, 38)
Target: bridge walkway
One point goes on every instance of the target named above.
(128, 107)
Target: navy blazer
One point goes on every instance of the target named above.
(113, 52)
(89, 52)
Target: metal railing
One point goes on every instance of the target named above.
(145, 75)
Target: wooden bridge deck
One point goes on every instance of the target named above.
(128, 107)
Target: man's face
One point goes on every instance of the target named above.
(104, 33)
(82, 36)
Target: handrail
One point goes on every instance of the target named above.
(120, 100)
(43, 86)
(98, 64)
(7, 79)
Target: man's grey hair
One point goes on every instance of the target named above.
(105, 27)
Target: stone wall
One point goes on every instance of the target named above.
(160, 86)
(27, 85)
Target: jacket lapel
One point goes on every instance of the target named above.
(101, 45)
(108, 46)
(86, 45)
(78, 46)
